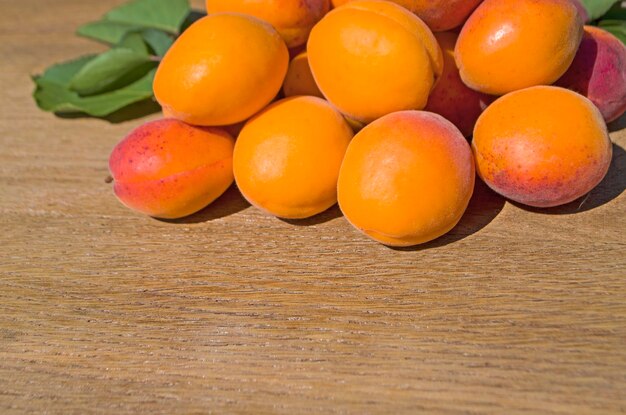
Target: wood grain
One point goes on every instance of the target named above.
(102, 310)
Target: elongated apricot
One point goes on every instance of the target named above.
(542, 146)
(222, 70)
(371, 58)
(287, 157)
(407, 178)
(509, 45)
(169, 169)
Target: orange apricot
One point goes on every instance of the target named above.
(222, 70)
(169, 169)
(370, 58)
(299, 79)
(292, 19)
(439, 15)
(542, 146)
(599, 72)
(406, 178)
(450, 97)
(509, 45)
(287, 157)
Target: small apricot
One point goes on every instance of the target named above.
(406, 178)
(599, 72)
(509, 45)
(371, 58)
(169, 169)
(221, 70)
(542, 146)
(450, 97)
(292, 19)
(299, 79)
(287, 157)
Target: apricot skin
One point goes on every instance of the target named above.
(439, 15)
(222, 70)
(509, 45)
(450, 97)
(370, 58)
(542, 146)
(299, 79)
(406, 178)
(292, 19)
(169, 169)
(599, 72)
(287, 157)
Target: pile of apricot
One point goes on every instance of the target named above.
(373, 104)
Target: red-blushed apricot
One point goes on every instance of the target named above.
(582, 11)
(370, 58)
(287, 157)
(439, 15)
(509, 45)
(222, 70)
(299, 79)
(599, 72)
(406, 178)
(292, 19)
(169, 169)
(542, 146)
(450, 97)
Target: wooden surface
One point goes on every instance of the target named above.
(229, 311)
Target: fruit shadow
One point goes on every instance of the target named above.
(329, 214)
(132, 112)
(483, 208)
(229, 203)
(613, 185)
(619, 124)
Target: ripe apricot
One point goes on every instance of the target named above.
(287, 157)
(509, 45)
(169, 169)
(292, 19)
(222, 70)
(450, 97)
(299, 79)
(599, 72)
(439, 15)
(542, 146)
(406, 178)
(371, 58)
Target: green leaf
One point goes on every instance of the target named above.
(63, 73)
(616, 27)
(52, 96)
(159, 41)
(597, 8)
(110, 70)
(617, 12)
(106, 31)
(135, 42)
(167, 15)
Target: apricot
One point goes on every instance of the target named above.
(299, 79)
(222, 70)
(509, 45)
(599, 72)
(542, 146)
(287, 157)
(371, 58)
(406, 178)
(169, 169)
(450, 97)
(439, 15)
(582, 11)
(292, 19)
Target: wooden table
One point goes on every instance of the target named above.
(229, 311)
